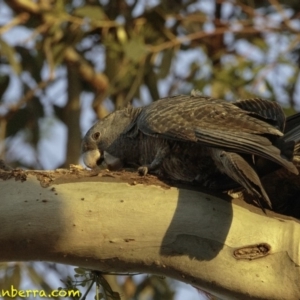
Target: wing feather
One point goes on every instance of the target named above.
(270, 111)
(213, 123)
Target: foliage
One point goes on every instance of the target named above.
(57, 54)
(87, 278)
(84, 277)
(120, 51)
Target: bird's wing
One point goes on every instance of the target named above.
(213, 123)
(172, 115)
(269, 111)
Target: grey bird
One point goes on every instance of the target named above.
(282, 186)
(194, 138)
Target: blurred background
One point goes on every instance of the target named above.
(66, 63)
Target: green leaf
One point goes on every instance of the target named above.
(135, 49)
(93, 12)
(166, 63)
(270, 88)
(151, 83)
(58, 51)
(113, 57)
(10, 54)
(121, 34)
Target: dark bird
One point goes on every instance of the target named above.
(282, 186)
(194, 138)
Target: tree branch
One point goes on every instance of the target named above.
(104, 223)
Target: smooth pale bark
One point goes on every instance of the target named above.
(183, 234)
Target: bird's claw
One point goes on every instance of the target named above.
(143, 171)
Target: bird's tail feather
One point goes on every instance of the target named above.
(236, 167)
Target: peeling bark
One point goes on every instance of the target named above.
(110, 222)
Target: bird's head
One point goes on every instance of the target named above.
(100, 144)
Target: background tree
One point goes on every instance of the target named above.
(65, 63)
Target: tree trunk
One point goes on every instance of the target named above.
(110, 222)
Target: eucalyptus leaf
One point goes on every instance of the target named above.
(135, 49)
(9, 52)
(92, 12)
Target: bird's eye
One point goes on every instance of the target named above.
(96, 135)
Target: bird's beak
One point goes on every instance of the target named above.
(91, 158)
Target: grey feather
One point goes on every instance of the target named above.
(178, 137)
